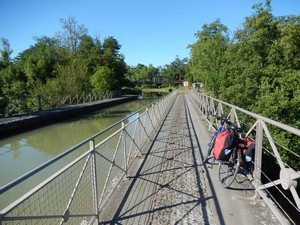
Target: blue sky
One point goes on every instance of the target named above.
(150, 32)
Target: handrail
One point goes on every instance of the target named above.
(257, 116)
(65, 153)
(264, 143)
(109, 159)
(29, 104)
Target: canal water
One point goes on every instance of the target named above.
(24, 152)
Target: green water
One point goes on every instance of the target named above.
(24, 152)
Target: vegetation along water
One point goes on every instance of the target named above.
(256, 67)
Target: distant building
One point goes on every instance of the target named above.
(197, 85)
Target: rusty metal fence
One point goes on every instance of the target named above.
(274, 180)
(77, 192)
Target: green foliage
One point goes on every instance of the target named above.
(5, 53)
(207, 55)
(39, 61)
(90, 52)
(111, 56)
(103, 79)
(141, 71)
(74, 76)
(63, 64)
(258, 69)
(14, 81)
(280, 98)
(176, 69)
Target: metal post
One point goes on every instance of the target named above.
(40, 103)
(258, 157)
(124, 149)
(94, 173)
(25, 108)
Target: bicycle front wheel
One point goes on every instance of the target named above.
(229, 170)
(210, 148)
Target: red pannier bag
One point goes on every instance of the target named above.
(249, 149)
(224, 144)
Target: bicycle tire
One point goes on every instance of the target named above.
(228, 170)
(210, 148)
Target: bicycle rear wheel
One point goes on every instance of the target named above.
(229, 170)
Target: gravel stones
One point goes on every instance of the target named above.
(181, 196)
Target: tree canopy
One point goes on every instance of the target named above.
(63, 64)
(258, 68)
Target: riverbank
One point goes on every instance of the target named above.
(16, 124)
(157, 90)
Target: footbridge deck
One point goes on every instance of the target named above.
(173, 186)
(147, 169)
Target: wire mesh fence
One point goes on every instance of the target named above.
(76, 193)
(276, 165)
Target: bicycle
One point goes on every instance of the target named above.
(228, 170)
(221, 128)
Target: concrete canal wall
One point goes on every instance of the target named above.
(19, 123)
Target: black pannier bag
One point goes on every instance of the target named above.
(224, 144)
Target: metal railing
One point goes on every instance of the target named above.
(78, 191)
(29, 104)
(274, 180)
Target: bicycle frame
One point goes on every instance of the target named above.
(211, 143)
(220, 129)
(228, 170)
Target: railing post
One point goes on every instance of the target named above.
(94, 175)
(24, 104)
(124, 149)
(40, 103)
(258, 157)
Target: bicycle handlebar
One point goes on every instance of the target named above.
(227, 121)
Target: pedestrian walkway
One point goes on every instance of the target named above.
(172, 186)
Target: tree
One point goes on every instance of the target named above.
(279, 95)
(111, 44)
(138, 72)
(259, 69)
(13, 81)
(247, 57)
(5, 53)
(90, 52)
(71, 34)
(207, 56)
(112, 59)
(40, 61)
(152, 71)
(176, 69)
(74, 77)
(285, 50)
(103, 79)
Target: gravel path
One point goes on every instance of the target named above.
(170, 185)
(181, 197)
